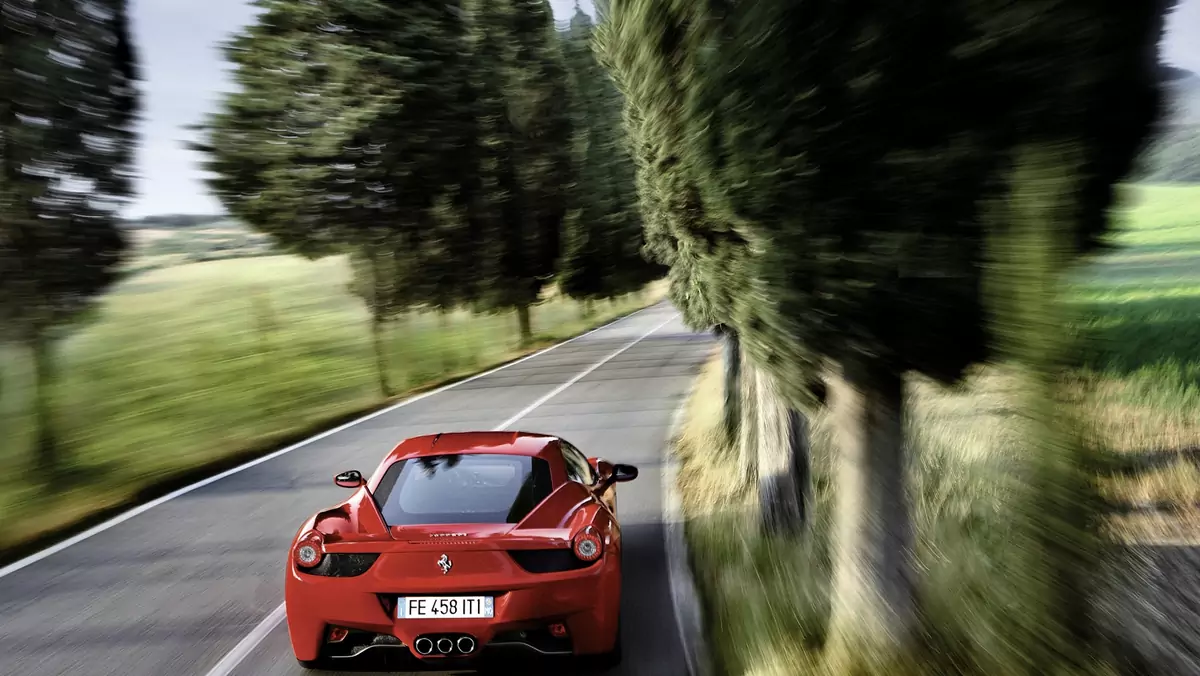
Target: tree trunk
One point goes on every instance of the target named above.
(45, 367)
(382, 369)
(732, 360)
(748, 428)
(874, 604)
(525, 324)
(443, 320)
(781, 454)
(588, 308)
(379, 308)
(1059, 543)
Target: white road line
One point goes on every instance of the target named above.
(122, 518)
(247, 645)
(249, 642)
(558, 390)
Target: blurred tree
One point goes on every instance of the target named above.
(523, 161)
(68, 105)
(603, 235)
(708, 263)
(850, 160)
(349, 135)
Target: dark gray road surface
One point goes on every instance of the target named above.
(182, 587)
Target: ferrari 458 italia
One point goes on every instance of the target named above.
(459, 546)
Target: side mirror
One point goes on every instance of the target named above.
(622, 473)
(350, 479)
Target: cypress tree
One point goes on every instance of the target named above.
(349, 135)
(855, 160)
(523, 160)
(66, 153)
(603, 247)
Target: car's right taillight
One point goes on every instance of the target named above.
(587, 544)
(309, 549)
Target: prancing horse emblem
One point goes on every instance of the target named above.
(445, 564)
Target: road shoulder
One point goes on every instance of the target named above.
(689, 615)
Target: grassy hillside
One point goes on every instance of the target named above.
(194, 363)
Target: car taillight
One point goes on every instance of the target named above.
(587, 544)
(310, 548)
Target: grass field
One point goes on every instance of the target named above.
(1138, 389)
(1141, 367)
(190, 364)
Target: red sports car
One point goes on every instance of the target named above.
(461, 545)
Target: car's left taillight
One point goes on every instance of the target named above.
(309, 549)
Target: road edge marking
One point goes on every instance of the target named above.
(249, 642)
(141, 509)
(685, 599)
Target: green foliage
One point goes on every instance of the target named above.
(68, 103)
(679, 230)
(603, 235)
(864, 237)
(351, 130)
(66, 151)
(524, 165)
(837, 241)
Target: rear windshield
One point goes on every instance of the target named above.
(462, 488)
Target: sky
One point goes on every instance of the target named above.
(184, 75)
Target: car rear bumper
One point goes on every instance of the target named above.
(586, 601)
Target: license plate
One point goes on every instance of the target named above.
(448, 607)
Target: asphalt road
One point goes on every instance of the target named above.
(194, 585)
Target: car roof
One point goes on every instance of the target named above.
(443, 443)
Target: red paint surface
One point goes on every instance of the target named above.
(587, 600)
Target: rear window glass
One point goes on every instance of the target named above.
(462, 488)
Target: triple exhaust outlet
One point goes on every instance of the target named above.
(465, 645)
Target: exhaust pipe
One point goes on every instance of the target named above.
(466, 645)
(424, 646)
(445, 645)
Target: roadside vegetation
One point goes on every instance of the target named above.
(413, 192)
(194, 365)
(1135, 395)
(904, 298)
